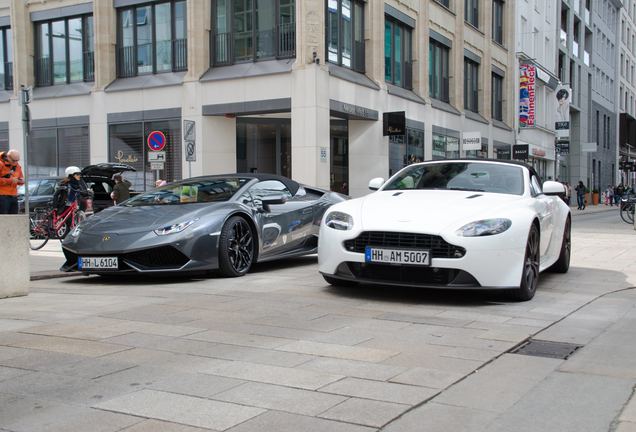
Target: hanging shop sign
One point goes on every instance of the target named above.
(394, 123)
(527, 97)
(562, 121)
(520, 152)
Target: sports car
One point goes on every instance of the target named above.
(450, 224)
(224, 223)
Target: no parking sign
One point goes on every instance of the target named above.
(156, 141)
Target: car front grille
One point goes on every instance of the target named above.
(408, 275)
(439, 247)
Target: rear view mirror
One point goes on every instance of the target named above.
(376, 183)
(553, 188)
(273, 200)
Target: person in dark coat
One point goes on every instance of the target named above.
(121, 190)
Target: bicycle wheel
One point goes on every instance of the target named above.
(40, 230)
(627, 212)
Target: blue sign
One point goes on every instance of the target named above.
(156, 141)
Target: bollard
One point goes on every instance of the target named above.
(14, 259)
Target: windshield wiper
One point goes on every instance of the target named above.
(467, 189)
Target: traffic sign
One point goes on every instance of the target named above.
(156, 141)
(156, 165)
(191, 151)
(157, 156)
(188, 130)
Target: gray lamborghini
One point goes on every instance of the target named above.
(224, 223)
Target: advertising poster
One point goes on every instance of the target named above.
(563, 98)
(527, 77)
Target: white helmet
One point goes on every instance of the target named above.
(72, 170)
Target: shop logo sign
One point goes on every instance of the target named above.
(125, 158)
(471, 141)
(520, 152)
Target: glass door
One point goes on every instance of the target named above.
(339, 137)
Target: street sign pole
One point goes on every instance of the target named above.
(25, 99)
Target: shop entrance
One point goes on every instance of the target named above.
(339, 172)
(263, 145)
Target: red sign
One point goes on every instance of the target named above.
(156, 141)
(527, 76)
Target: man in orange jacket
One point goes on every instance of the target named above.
(10, 177)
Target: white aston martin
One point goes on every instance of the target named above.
(450, 224)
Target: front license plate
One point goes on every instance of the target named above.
(397, 256)
(97, 263)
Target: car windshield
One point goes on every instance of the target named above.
(188, 192)
(464, 176)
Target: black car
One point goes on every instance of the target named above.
(98, 178)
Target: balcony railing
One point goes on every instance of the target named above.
(564, 37)
(43, 72)
(179, 55)
(8, 76)
(251, 46)
(126, 66)
(586, 58)
(575, 48)
(89, 66)
(135, 59)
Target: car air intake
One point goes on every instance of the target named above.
(439, 247)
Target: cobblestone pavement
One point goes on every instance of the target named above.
(279, 350)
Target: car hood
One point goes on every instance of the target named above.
(430, 210)
(107, 169)
(126, 220)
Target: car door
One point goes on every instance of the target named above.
(545, 207)
(273, 220)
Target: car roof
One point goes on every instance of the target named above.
(497, 161)
(290, 184)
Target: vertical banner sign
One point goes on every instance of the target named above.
(562, 100)
(527, 77)
(471, 141)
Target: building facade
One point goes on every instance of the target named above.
(294, 87)
(627, 94)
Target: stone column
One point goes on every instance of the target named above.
(23, 50)
(14, 265)
(199, 27)
(105, 23)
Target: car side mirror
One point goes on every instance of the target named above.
(376, 183)
(273, 200)
(553, 188)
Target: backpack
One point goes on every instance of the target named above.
(59, 197)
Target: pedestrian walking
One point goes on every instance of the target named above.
(609, 196)
(580, 195)
(10, 178)
(121, 190)
(618, 193)
(568, 193)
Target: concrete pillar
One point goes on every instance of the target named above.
(23, 47)
(368, 153)
(105, 23)
(198, 17)
(14, 265)
(217, 154)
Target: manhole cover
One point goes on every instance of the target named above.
(541, 348)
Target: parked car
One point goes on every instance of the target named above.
(453, 224)
(98, 178)
(226, 223)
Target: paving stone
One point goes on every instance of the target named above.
(365, 412)
(567, 402)
(432, 378)
(382, 391)
(629, 412)
(280, 398)
(91, 368)
(285, 422)
(426, 358)
(242, 339)
(42, 360)
(289, 377)
(353, 368)
(8, 373)
(433, 320)
(625, 427)
(195, 384)
(161, 426)
(338, 351)
(76, 330)
(498, 385)
(7, 352)
(345, 336)
(14, 325)
(59, 344)
(182, 409)
(435, 417)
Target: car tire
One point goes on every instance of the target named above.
(339, 282)
(530, 268)
(236, 247)
(562, 265)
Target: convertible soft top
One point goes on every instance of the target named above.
(290, 184)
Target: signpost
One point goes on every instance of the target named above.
(156, 143)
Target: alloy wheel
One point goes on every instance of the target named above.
(240, 246)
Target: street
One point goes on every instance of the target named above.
(280, 350)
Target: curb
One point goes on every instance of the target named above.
(57, 275)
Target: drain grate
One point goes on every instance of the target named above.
(541, 348)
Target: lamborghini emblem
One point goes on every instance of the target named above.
(106, 237)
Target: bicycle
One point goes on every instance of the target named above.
(627, 209)
(46, 222)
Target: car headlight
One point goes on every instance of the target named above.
(339, 221)
(484, 228)
(175, 228)
(76, 231)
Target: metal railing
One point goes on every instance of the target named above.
(43, 75)
(8, 75)
(230, 47)
(179, 55)
(128, 64)
(89, 66)
(286, 40)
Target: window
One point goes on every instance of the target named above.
(152, 39)
(252, 30)
(64, 51)
(471, 85)
(397, 54)
(345, 34)
(6, 59)
(51, 150)
(471, 12)
(445, 3)
(497, 97)
(497, 21)
(438, 73)
(405, 149)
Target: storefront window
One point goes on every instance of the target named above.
(405, 149)
(479, 154)
(502, 152)
(339, 176)
(51, 150)
(127, 144)
(439, 147)
(263, 146)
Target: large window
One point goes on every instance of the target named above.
(252, 30)
(438, 73)
(471, 12)
(345, 33)
(471, 85)
(497, 21)
(497, 97)
(6, 59)
(51, 150)
(405, 149)
(398, 68)
(152, 39)
(64, 51)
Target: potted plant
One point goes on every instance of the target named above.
(595, 196)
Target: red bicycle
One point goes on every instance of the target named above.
(47, 223)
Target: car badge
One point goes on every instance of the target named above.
(106, 237)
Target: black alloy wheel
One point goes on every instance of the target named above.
(236, 247)
(562, 265)
(530, 271)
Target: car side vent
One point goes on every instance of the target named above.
(397, 193)
(473, 196)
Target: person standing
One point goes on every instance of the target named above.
(580, 195)
(10, 178)
(121, 190)
(609, 196)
